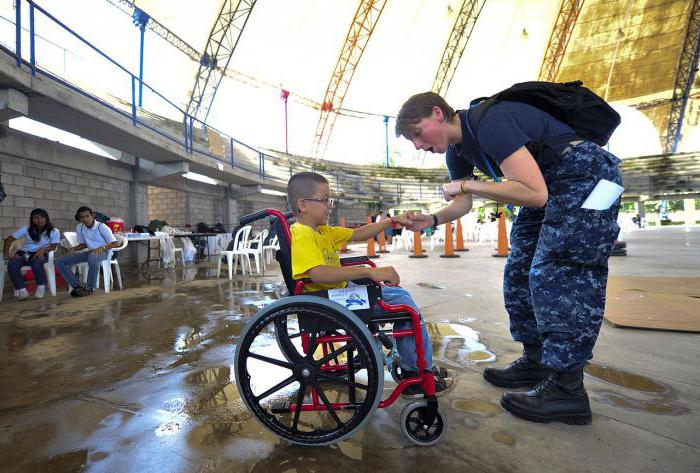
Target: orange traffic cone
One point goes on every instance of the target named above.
(502, 248)
(382, 243)
(460, 238)
(344, 248)
(370, 243)
(417, 247)
(449, 244)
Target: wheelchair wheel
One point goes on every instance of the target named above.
(416, 430)
(289, 374)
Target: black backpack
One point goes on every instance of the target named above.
(569, 102)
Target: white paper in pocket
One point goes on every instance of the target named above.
(603, 195)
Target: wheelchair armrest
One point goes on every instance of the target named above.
(357, 261)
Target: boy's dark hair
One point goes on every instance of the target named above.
(302, 185)
(82, 209)
(34, 231)
(418, 107)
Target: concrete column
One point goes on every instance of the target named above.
(138, 211)
(689, 211)
(231, 214)
(188, 210)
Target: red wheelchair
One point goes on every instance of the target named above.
(311, 370)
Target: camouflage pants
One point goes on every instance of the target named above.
(557, 270)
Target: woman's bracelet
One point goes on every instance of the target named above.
(461, 186)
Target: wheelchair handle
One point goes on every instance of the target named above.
(260, 214)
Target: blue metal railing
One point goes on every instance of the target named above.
(344, 181)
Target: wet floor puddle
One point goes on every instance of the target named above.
(458, 344)
(661, 394)
(624, 379)
(504, 438)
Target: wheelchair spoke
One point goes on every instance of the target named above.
(284, 339)
(338, 379)
(276, 388)
(297, 408)
(272, 361)
(335, 353)
(323, 397)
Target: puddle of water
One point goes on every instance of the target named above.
(210, 376)
(624, 379)
(70, 461)
(477, 406)
(504, 438)
(458, 343)
(653, 407)
(430, 285)
(167, 429)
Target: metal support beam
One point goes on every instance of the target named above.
(221, 44)
(153, 25)
(456, 44)
(361, 29)
(559, 39)
(685, 75)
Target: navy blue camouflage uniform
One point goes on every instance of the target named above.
(557, 269)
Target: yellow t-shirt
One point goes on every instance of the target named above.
(315, 248)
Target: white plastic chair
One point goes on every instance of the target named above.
(48, 268)
(113, 262)
(438, 237)
(105, 266)
(270, 250)
(237, 252)
(257, 252)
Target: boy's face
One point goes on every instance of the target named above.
(430, 134)
(317, 208)
(85, 218)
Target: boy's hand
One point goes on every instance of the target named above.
(420, 222)
(405, 218)
(386, 275)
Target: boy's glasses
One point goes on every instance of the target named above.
(329, 201)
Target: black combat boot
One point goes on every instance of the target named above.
(525, 372)
(560, 397)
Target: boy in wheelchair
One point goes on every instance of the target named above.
(315, 247)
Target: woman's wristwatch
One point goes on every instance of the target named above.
(435, 222)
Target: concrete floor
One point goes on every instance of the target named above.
(140, 380)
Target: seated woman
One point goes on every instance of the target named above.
(40, 237)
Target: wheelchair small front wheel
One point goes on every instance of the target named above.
(415, 428)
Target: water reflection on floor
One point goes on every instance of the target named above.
(144, 377)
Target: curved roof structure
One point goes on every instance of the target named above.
(628, 50)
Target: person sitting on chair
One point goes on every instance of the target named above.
(98, 239)
(40, 237)
(315, 248)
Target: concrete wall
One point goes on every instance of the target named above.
(41, 173)
(167, 204)
(36, 173)
(198, 203)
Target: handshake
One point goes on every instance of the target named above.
(413, 221)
